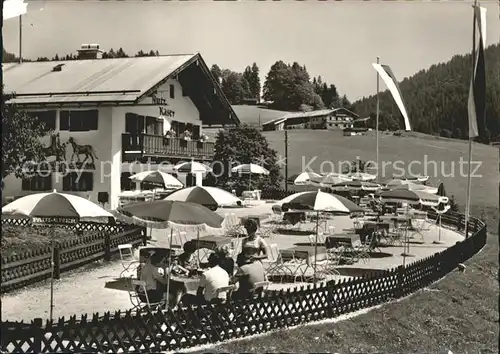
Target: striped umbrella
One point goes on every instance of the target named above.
(329, 179)
(56, 208)
(303, 178)
(250, 168)
(356, 185)
(192, 167)
(160, 178)
(319, 201)
(162, 214)
(361, 176)
(209, 197)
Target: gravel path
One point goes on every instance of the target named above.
(82, 291)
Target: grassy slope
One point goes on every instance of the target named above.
(320, 146)
(461, 313)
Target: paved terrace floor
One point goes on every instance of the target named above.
(82, 291)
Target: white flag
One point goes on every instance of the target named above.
(390, 80)
(476, 104)
(14, 8)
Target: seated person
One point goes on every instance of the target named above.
(186, 262)
(253, 246)
(154, 277)
(212, 279)
(249, 273)
(226, 262)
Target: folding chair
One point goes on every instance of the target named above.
(128, 261)
(261, 285)
(361, 249)
(321, 239)
(358, 225)
(275, 265)
(142, 296)
(225, 289)
(417, 227)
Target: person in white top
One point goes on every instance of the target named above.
(212, 279)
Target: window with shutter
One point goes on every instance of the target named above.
(64, 120)
(172, 92)
(79, 121)
(78, 183)
(37, 183)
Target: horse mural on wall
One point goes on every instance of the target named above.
(78, 150)
(56, 148)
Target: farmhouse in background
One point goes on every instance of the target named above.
(331, 119)
(109, 114)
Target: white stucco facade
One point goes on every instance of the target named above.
(106, 142)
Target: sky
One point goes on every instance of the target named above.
(337, 40)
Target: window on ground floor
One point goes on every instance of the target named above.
(37, 183)
(78, 182)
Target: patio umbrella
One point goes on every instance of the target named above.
(303, 178)
(405, 184)
(56, 208)
(329, 179)
(356, 185)
(162, 214)
(416, 178)
(403, 196)
(362, 176)
(209, 197)
(320, 201)
(158, 178)
(192, 167)
(250, 168)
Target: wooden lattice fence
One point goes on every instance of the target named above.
(186, 327)
(96, 241)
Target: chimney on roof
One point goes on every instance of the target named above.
(89, 51)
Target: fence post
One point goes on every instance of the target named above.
(400, 291)
(107, 247)
(57, 261)
(37, 335)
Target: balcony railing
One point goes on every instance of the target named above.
(159, 146)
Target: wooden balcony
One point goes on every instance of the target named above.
(136, 146)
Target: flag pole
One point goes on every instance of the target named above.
(378, 113)
(468, 191)
(20, 39)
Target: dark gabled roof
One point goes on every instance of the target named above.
(113, 81)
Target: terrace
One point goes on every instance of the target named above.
(140, 145)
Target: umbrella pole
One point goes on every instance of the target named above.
(198, 250)
(168, 266)
(52, 273)
(438, 242)
(316, 246)
(406, 252)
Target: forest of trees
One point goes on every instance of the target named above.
(436, 99)
(120, 53)
(238, 86)
(288, 87)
